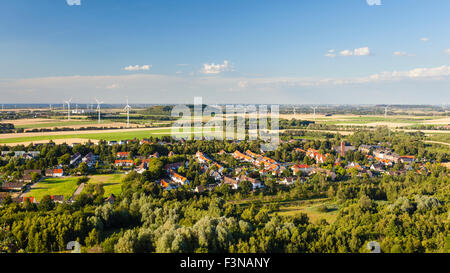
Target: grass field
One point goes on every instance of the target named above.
(105, 136)
(291, 208)
(54, 186)
(111, 183)
(311, 208)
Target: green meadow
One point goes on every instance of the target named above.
(54, 186)
(112, 183)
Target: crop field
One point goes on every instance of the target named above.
(54, 186)
(98, 135)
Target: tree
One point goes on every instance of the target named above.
(46, 203)
(245, 186)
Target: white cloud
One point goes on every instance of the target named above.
(138, 68)
(363, 51)
(346, 53)
(257, 89)
(447, 51)
(216, 68)
(425, 39)
(73, 2)
(402, 54)
(331, 53)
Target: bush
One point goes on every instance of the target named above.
(83, 179)
(323, 208)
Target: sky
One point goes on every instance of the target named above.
(226, 51)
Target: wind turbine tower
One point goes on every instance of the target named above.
(68, 108)
(99, 103)
(295, 115)
(128, 108)
(386, 111)
(314, 108)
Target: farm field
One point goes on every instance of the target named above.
(111, 183)
(54, 186)
(107, 135)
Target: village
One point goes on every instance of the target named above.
(252, 168)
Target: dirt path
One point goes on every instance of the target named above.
(437, 142)
(77, 191)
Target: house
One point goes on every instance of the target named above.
(122, 155)
(289, 181)
(231, 181)
(365, 149)
(90, 159)
(167, 185)
(54, 172)
(58, 198)
(407, 159)
(171, 154)
(178, 178)
(12, 186)
(27, 175)
(202, 157)
(318, 157)
(124, 163)
(354, 165)
(377, 167)
(155, 155)
(255, 182)
(58, 172)
(113, 142)
(75, 160)
(173, 166)
(215, 175)
(221, 152)
(211, 187)
(199, 189)
(31, 199)
(304, 168)
(220, 168)
(240, 156)
(111, 199)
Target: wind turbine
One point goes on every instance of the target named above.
(295, 115)
(314, 108)
(68, 108)
(98, 109)
(386, 111)
(128, 108)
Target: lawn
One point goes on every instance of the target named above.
(54, 186)
(111, 183)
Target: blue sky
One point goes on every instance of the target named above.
(228, 51)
